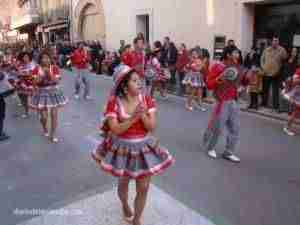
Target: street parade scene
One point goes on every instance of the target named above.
(101, 125)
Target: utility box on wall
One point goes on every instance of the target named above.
(219, 45)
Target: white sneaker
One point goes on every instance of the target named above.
(212, 154)
(54, 140)
(231, 157)
(25, 116)
(201, 108)
(288, 132)
(88, 97)
(76, 97)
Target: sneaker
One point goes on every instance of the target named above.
(4, 137)
(288, 131)
(201, 108)
(164, 97)
(231, 157)
(212, 154)
(54, 140)
(24, 116)
(76, 97)
(88, 97)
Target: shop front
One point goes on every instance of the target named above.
(280, 18)
(55, 31)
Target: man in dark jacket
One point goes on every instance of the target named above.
(169, 58)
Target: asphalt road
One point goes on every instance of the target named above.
(262, 190)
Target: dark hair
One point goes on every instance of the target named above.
(22, 54)
(229, 51)
(167, 38)
(45, 52)
(157, 44)
(275, 37)
(127, 47)
(183, 45)
(135, 41)
(120, 90)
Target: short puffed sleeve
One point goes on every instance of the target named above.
(55, 71)
(150, 104)
(111, 108)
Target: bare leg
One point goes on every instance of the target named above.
(43, 120)
(54, 115)
(24, 102)
(190, 92)
(123, 195)
(198, 95)
(291, 120)
(142, 188)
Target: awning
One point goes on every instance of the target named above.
(25, 20)
(60, 24)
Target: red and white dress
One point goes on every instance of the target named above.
(48, 93)
(25, 84)
(153, 66)
(134, 153)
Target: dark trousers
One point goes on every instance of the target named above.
(2, 114)
(1, 126)
(267, 82)
(253, 100)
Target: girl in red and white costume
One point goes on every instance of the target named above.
(48, 96)
(194, 81)
(128, 150)
(159, 78)
(25, 84)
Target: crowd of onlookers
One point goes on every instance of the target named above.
(271, 65)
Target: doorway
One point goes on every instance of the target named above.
(142, 25)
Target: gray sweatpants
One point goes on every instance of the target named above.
(82, 77)
(225, 115)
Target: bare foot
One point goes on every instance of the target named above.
(127, 213)
(136, 222)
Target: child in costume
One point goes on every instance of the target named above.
(224, 79)
(128, 151)
(25, 80)
(194, 81)
(48, 95)
(292, 94)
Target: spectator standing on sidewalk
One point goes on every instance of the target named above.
(252, 64)
(271, 62)
(80, 59)
(289, 69)
(122, 47)
(182, 61)
(169, 56)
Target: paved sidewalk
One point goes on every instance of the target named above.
(104, 209)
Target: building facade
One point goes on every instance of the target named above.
(55, 21)
(26, 18)
(208, 23)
